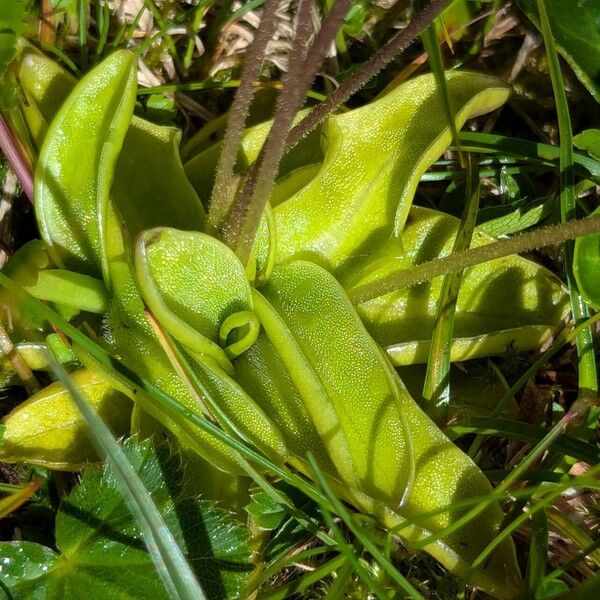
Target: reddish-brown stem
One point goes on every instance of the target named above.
(223, 193)
(304, 65)
(376, 63)
(16, 159)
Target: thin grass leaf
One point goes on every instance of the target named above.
(368, 544)
(539, 504)
(82, 13)
(350, 553)
(566, 526)
(573, 562)
(436, 389)
(299, 585)
(197, 12)
(270, 570)
(521, 493)
(525, 432)
(587, 373)
(562, 339)
(169, 561)
(16, 499)
(196, 86)
(538, 554)
(103, 25)
(436, 62)
(533, 151)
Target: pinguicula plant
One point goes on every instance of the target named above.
(250, 299)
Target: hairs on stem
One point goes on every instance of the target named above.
(224, 187)
(376, 63)
(539, 238)
(304, 65)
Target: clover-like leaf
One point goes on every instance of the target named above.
(99, 550)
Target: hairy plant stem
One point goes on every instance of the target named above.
(223, 193)
(304, 65)
(16, 159)
(539, 238)
(374, 65)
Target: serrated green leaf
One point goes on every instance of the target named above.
(100, 550)
(267, 513)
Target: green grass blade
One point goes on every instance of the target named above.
(588, 376)
(562, 339)
(368, 544)
(527, 433)
(436, 389)
(532, 151)
(538, 554)
(169, 561)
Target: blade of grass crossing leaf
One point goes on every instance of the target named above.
(539, 504)
(368, 544)
(515, 475)
(197, 388)
(538, 554)
(299, 585)
(562, 339)
(526, 493)
(168, 559)
(588, 377)
(526, 432)
(532, 151)
(349, 552)
(436, 62)
(436, 389)
(195, 86)
(95, 356)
